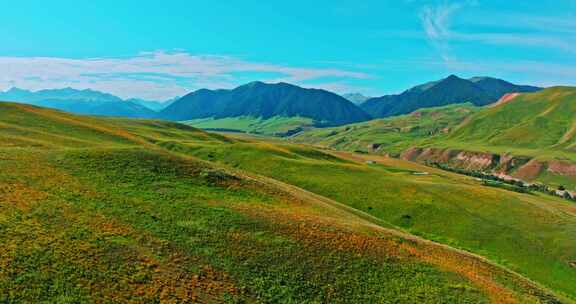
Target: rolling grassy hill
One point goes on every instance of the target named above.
(539, 127)
(390, 135)
(275, 126)
(538, 121)
(532, 234)
(117, 210)
(534, 130)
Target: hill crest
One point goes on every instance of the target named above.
(478, 90)
(265, 100)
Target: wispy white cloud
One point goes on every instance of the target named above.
(495, 28)
(152, 75)
(436, 20)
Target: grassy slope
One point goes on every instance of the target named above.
(272, 126)
(96, 210)
(540, 124)
(532, 234)
(393, 134)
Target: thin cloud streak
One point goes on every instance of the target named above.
(436, 21)
(515, 29)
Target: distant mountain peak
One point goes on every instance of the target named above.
(17, 90)
(261, 84)
(255, 83)
(80, 101)
(450, 80)
(453, 77)
(478, 90)
(267, 100)
(355, 98)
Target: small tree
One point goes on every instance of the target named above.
(519, 183)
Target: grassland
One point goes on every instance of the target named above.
(531, 234)
(538, 121)
(275, 126)
(390, 135)
(112, 210)
(538, 126)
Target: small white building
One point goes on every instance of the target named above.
(562, 193)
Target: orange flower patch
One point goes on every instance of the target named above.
(314, 230)
(19, 196)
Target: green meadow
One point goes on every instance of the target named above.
(532, 234)
(99, 210)
(538, 126)
(275, 126)
(391, 135)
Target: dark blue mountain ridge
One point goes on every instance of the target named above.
(87, 101)
(478, 90)
(266, 100)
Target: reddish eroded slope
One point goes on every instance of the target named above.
(504, 99)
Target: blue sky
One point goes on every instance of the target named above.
(160, 49)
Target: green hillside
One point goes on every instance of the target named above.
(539, 121)
(115, 210)
(275, 126)
(541, 125)
(390, 135)
(530, 233)
(536, 128)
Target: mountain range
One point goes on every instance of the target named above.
(261, 102)
(264, 100)
(86, 101)
(479, 91)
